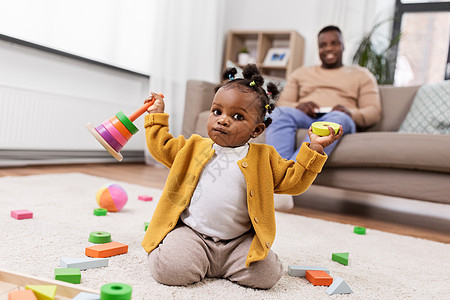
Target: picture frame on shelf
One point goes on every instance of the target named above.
(277, 57)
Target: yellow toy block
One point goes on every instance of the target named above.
(43, 292)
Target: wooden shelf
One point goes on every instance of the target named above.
(259, 43)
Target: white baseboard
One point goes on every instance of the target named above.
(19, 158)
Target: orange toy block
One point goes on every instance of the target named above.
(319, 277)
(106, 250)
(22, 295)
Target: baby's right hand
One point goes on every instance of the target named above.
(158, 106)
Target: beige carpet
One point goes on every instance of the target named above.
(382, 265)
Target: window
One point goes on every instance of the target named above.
(423, 52)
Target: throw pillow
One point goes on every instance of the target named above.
(430, 110)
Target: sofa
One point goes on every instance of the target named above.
(378, 160)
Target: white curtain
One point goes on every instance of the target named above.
(187, 43)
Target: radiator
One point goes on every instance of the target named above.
(46, 125)
(47, 96)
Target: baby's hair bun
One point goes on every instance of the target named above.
(251, 72)
(229, 73)
(272, 89)
(267, 121)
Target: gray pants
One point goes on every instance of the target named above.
(186, 257)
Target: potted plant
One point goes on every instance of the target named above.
(373, 54)
(244, 56)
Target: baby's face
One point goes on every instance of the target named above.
(233, 118)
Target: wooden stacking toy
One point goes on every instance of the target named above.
(114, 133)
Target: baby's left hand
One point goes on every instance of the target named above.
(157, 106)
(318, 143)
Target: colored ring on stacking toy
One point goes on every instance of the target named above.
(108, 138)
(121, 128)
(115, 291)
(102, 141)
(125, 121)
(114, 132)
(100, 211)
(99, 237)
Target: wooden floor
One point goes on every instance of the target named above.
(139, 173)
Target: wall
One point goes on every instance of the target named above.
(111, 31)
(46, 99)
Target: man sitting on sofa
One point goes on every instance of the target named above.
(347, 95)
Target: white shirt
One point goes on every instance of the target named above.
(218, 206)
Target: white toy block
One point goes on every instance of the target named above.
(300, 271)
(86, 296)
(83, 263)
(339, 286)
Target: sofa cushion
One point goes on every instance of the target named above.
(200, 126)
(395, 104)
(430, 111)
(393, 150)
(199, 95)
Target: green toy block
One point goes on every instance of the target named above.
(341, 258)
(43, 292)
(359, 230)
(146, 225)
(72, 275)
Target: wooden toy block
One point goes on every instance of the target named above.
(146, 225)
(145, 198)
(83, 263)
(359, 230)
(22, 295)
(21, 214)
(6, 287)
(341, 258)
(318, 277)
(106, 250)
(72, 275)
(339, 286)
(43, 292)
(86, 296)
(300, 271)
(14, 281)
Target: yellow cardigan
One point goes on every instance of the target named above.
(265, 172)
